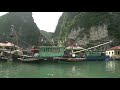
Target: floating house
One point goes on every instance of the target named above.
(8, 49)
(7, 45)
(114, 52)
(49, 51)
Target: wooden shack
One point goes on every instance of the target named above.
(114, 52)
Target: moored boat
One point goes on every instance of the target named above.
(95, 55)
(43, 53)
(75, 59)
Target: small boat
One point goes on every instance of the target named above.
(95, 55)
(2, 58)
(29, 60)
(75, 59)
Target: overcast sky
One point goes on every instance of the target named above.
(45, 20)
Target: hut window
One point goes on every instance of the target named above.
(48, 49)
(55, 49)
(109, 52)
(112, 52)
(118, 53)
(58, 49)
(52, 49)
(44, 49)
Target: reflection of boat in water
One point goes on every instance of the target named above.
(73, 69)
(110, 65)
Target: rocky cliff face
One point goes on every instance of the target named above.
(89, 28)
(25, 28)
(83, 38)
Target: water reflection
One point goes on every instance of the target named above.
(76, 70)
(110, 66)
(73, 69)
(86, 69)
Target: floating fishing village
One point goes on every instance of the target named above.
(9, 51)
(81, 45)
(73, 53)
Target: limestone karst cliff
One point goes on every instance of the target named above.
(25, 28)
(89, 28)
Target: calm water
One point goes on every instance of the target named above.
(84, 69)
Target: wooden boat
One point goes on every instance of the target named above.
(29, 60)
(95, 55)
(2, 58)
(43, 53)
(75, 59)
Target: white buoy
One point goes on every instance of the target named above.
(73, 55)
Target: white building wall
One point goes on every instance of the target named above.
(110, 53)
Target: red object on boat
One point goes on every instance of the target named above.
(34, 50)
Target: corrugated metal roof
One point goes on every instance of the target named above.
(73, 47)
(114, 48)
(8, 44)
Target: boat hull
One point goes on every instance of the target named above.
(94, 58)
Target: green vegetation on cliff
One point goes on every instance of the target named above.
(24, 27)
(26, 30)
(86, 20)
(47, 34)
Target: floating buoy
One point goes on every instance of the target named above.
(73, 55)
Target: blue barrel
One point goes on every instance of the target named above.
(107, 58)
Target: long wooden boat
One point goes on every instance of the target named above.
(75, 59)
(55, 53)
(42, 53)
(29, 60)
